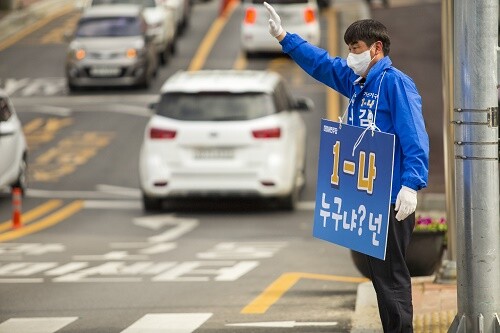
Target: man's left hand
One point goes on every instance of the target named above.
(406, 203)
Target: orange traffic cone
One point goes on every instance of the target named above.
(223, 7)
(16, 208)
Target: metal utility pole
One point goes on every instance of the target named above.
(476, 166)
(449, 269)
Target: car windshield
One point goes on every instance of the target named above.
(144, 3)
(215, 106)
(108, 27)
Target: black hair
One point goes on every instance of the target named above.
(368, 31)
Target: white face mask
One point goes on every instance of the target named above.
(359, 62)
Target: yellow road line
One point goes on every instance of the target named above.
(286, 281)
(33, 214)
(208, 42)
(241, 62)
(332, 97)
(33, 125)
(47, 222)
(33, 27)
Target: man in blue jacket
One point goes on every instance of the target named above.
(380, 97)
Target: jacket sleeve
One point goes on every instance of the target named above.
(406, 110)
(315, 61)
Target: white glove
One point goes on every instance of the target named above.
(275, 28)
(406, 203)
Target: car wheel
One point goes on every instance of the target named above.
(173, 48)
(164, 55)
(249, 54)
(22, 179)
(147, 81)
(151, 203)
(289, 202)
(72, 88)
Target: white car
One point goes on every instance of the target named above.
(161, 24)
(181, 10)
(297, 16)
(13, 148)
(224, 133)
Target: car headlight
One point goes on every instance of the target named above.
(79, 54)
(131, 53)
(136, 52)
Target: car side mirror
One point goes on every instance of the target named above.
(5, 112)
(149, 37)
(304, 104)
(4, 116)
(153, 106)
(67, 36)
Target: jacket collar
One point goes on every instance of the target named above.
(378, 68)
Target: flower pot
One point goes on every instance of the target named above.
(423, 255)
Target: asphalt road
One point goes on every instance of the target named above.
(90, 260)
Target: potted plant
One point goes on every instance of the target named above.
(425, 250)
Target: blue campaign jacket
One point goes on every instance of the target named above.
(398, 108)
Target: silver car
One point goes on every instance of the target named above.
(111, 47)
(161, 24)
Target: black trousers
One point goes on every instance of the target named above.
(391, 278)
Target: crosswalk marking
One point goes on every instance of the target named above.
(168, 323)
(35, 325)
(149, 323)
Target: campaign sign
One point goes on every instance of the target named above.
(354, 187)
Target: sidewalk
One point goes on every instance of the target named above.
(434, 307)
(15, 21)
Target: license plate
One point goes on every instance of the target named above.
(105, 71)
(213, 153)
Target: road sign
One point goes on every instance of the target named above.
(354, 187)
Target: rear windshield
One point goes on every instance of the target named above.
(215, 106)
(108, 27)
(144, 3)
(280, 2)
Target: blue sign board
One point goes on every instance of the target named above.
(354, 187)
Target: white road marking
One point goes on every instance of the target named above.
(180, 227)
(35, 193)
(168, 323)
(287, 324)
(102, 280)
(159, 248)
(96, 101)
(112, 204)
(306, 205)
(202, 270)
(55, 110)
(135, 110)
(114, 255)
(132, 192)
(242, 250)
(67, 268)
(111, 192)
(25, 280)
(35, 325)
